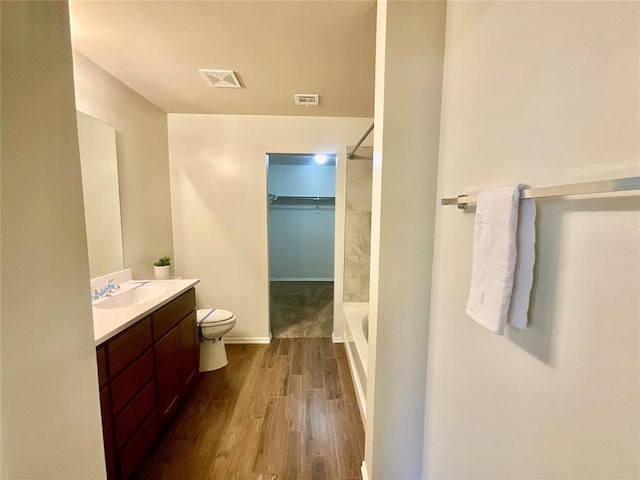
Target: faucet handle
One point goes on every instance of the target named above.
(111, 285)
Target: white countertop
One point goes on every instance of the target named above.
(107, 322)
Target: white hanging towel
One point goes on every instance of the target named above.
(503, 259)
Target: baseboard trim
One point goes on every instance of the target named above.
(247, 340)
(363, 471)
(336, 339)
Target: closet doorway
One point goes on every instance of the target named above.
(301, 225)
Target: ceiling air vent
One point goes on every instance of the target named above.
(221, 78)
(307, 99)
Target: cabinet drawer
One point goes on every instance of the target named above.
(129, 382)
(129, 345)
(101, 355)
(135, 450)
(133, 414)
(169, 315)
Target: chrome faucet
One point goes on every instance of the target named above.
(110, 287)
(106, 291)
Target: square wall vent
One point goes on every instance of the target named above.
(307, 99)
(221, 78)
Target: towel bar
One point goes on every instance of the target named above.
(602, 186)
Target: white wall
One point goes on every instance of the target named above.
(302, 180)
(301, 243)
(409, 59)
(219, 203)
(544, 93)
(143, 162)
(301, 237)
(50, 406)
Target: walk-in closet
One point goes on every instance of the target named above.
(301, 244)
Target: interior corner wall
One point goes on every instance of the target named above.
(143, 162)
(219, 204)
(409, 60)
(543, 93)
(51, 424)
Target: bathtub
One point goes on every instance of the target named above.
(356, 315)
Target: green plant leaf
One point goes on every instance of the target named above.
(163, 261)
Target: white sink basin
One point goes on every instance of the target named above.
(135, 296)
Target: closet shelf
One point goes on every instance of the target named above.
(300, 200)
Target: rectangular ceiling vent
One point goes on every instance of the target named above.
(221, 78)
(307, 99)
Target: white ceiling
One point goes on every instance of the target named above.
(277, 48)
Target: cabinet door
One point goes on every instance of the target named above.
(168, 375)
(107, 433)
(189, 351)
(103, 376)
(133, 453)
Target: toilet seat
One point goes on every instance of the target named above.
(212, 317)
(209, 316)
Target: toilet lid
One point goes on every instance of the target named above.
(207, 316)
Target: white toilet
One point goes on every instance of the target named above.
(212, 324)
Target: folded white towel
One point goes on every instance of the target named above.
(503, 258)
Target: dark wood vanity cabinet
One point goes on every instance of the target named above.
(167, 355)
(144, 374)
(189, 352)
(176, 350)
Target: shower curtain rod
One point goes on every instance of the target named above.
(352, 153)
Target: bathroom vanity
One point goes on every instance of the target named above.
(147, 364)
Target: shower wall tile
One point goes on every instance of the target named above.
(357, 227)
(357, 249)
(359, 175)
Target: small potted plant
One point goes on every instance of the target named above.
(162, 268)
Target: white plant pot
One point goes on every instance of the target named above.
(162, 273)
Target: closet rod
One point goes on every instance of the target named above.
(352, 153)
(602, 186)
(289, 197)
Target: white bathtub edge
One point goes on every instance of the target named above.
(360, 394)
(354, 313)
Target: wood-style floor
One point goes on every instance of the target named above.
(281, 411)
